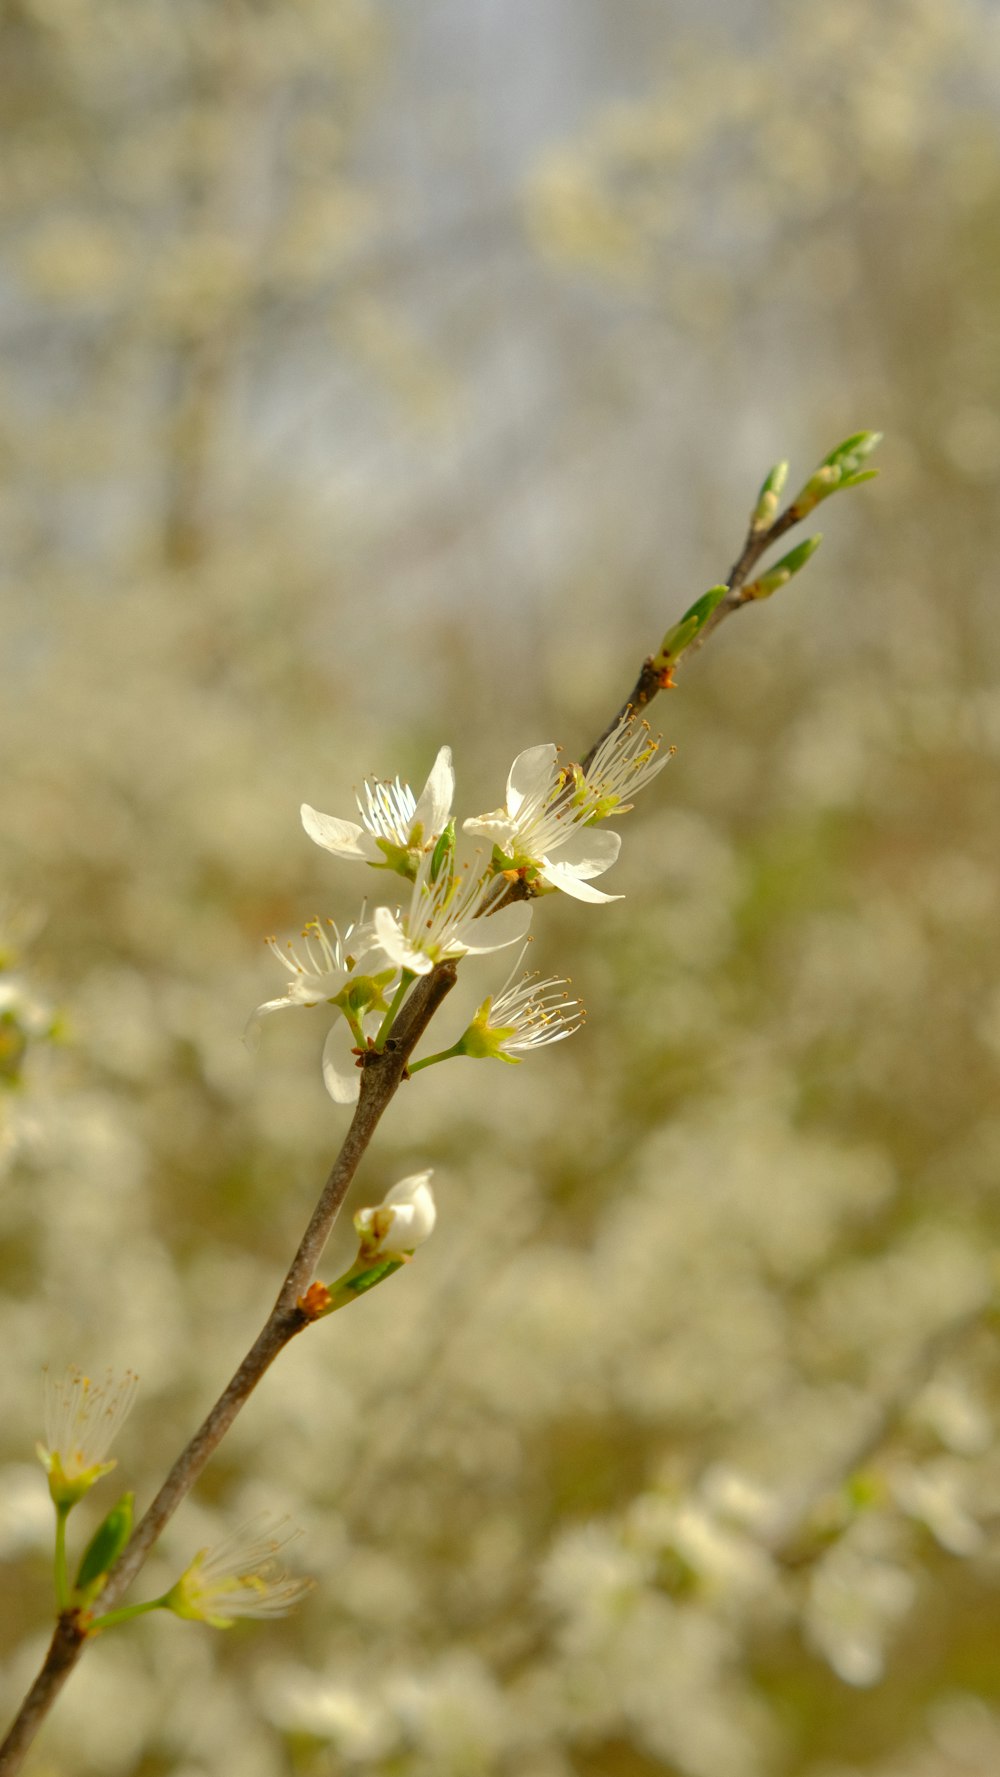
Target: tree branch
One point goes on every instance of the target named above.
(382, 1074)
(650, 679)
(380, 1080)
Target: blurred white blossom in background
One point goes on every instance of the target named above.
(371, 377)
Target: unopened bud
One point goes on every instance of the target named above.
(841, 468)
(766, 510)
(782, 572)
(402, 1221)
(691, 624)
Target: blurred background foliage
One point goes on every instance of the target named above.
(375, 376)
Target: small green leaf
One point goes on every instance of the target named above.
(782, 572)
(766, 509)
(684, 632)
(104, 1548)
(860, 444)
(840, 468)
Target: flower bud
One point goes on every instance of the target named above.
(401, 1222)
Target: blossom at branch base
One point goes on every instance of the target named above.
(82, 1419)
(323, 966)
(524, 1015)
(447, 917)
(396, 825)
(402, 1221)
(240, 1577)
(326, 969)
(541, 817)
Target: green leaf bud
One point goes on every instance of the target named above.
(766, 510)
(104, 1548)
(782, 571)
(690, 625)
(841, 468)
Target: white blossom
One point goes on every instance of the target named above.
(402, 1221)
(321, 967)
(542, 816)
(240, 1577)
(393, 820)
(625, 762)
(555, 808)
(82, 1419)
(526, 1014)
(326, 968)
(447, 918)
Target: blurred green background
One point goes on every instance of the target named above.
(376, 376)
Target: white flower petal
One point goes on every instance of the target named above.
(416, 1212)
(344, 838)
(341, 1074)
(251, 1030)
(589, 851)
(573, 884)
(530, 775)
(434, 808)
(396, 944)
(497, 827)
(407, 1215)
(499, 930)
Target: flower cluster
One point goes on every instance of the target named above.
(548, 835)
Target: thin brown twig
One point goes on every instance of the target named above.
(650, 679)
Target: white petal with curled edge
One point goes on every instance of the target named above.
(498, 827)
(341, 1074)
(396, 944)
(530, 775)
(434, 808)
(589, 851)
(573, 884)
(344, 838)
(251, 1029)
(499, 930)
(416, 1212)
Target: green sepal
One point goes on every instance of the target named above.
(443, 851)
(481, 1040)
(103, 1549)
(691, 624)
(501, 862)
(782, 570)
(397, 858)
(67, 1493)
(766, 510)
(365, 993)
